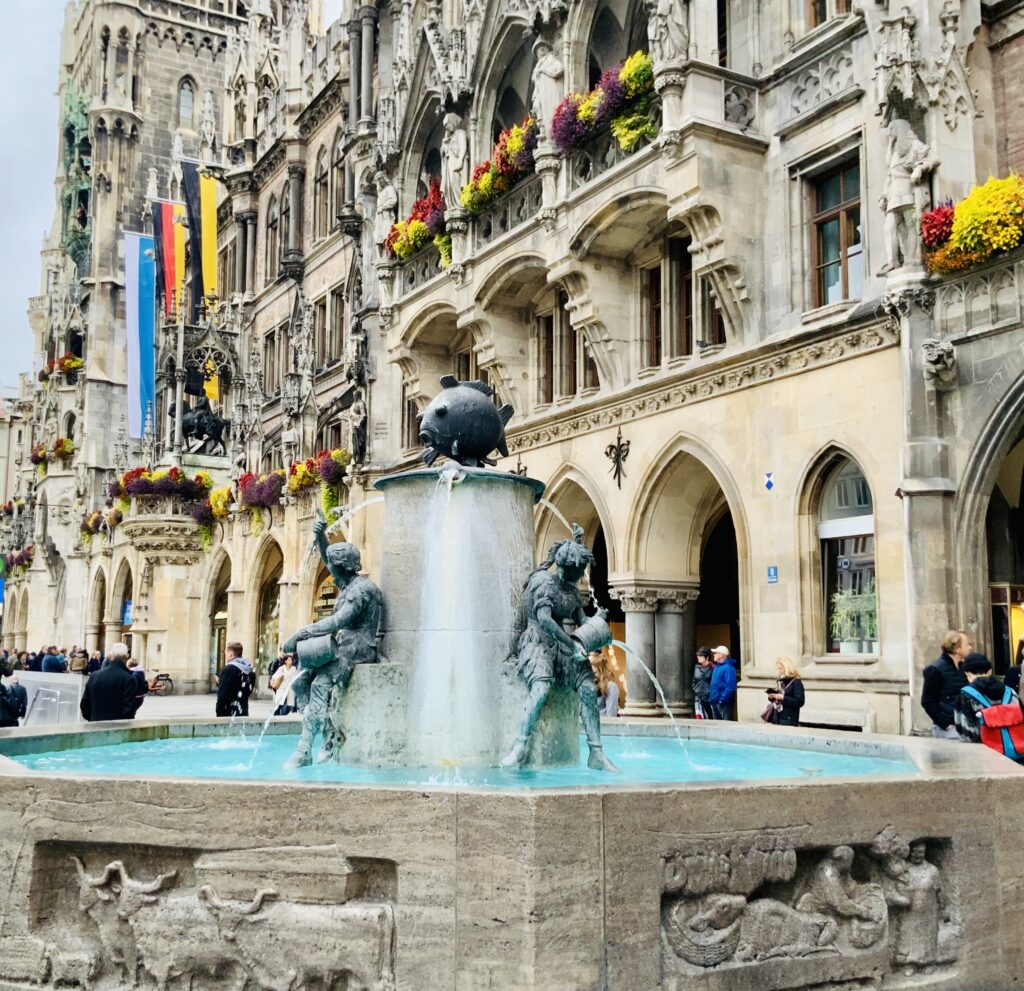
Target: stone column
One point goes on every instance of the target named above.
(927, 488)
(239, 253)
(112, 629)
(350, 184)
(368, 16)
(296, 176)
(92, 636)
(179, 399)
(674, 647)
(639, 605)
(250, 253)
(669, 81)
(354, 71)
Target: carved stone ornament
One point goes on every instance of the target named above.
(636, 599)
(938, 359)
(764, 908)
(138, 917)
(898, 302)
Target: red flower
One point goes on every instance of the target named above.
(937, 225)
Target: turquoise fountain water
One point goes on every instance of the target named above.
(644, 761)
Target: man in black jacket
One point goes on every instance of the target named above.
(111, 693)
(235, 684)
(943, 680)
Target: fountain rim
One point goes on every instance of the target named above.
(470, 474)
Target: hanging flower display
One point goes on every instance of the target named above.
(143, 483)
(90, 526)
(69, 363)
(220, 502)
(989, 221)
(114, 518)
(424, 223)
(63, 448)
(259, 492)
(511, 159)
(202, 513)
(13, 506)
(21, 561)
(39, 456)
(621, 100)
(331, 466)
(303, 474)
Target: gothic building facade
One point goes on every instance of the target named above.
(699, 282)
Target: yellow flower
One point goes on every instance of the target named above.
(990, 218)
(587, 111)
(637, 74)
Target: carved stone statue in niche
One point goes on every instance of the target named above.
(387, 209)
(667, 31)
(357, 417)
(910, 162)
(548, 86)
(454, 161)
(917, 941)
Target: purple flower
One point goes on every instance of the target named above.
(567, 130)
(202, 513)
(614, 100)
(331, 472)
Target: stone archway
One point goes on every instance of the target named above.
(217, 612)
(266, 604)
(94, 622)
(118, 621)
(686, 529)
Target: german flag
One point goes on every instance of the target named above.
(201, 208)
(169, 238)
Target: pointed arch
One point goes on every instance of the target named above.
(617, 226)
(264, 596)
(98, 599)
(321, 195)
(119, 592)
(573, 493)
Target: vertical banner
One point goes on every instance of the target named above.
(201, 208)
(169, 235)
(140, 324)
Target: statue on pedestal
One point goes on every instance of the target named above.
(387, 209)
(454, 161)
(667, 31)
(357, 428)
(548, 91)
(329, 649)
(910, 161)
(547, 655)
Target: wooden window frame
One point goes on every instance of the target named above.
(819, 218)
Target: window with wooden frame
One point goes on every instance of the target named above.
(270, 363)
(321, 196)
(546, 359)
(824, 10)
(568, 350)
(410, 423)
(320, 332)
(336, 337)
(680, 263)
(652, 329)
(836, 234)
(272, 259)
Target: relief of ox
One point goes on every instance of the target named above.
(287, 946)
(141, 925)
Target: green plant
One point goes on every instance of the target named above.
(845, 608)
(869, 610)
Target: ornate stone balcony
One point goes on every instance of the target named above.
(520, 204)
(162, 530)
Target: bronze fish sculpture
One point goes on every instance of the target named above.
(463, 424)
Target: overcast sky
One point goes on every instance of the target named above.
(29, 53)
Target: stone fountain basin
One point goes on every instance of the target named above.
(613, 888)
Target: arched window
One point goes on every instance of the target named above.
(619, 28)
(337, 179)
(846, 535)
(186, 104)
(286, 218)
(273, 254)
(321, 196)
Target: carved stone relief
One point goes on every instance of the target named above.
(119, 917)
(784, 914)
(824, 79)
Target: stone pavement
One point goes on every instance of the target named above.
(188, 706)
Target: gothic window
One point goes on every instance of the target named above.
(186, 104)
(611, 40)
(681, 293)
(546, 359)
(846, 541)
(722, 13)
(824, 10)
(336, 334)
(320, 331)
(410, 423)
(652, 326)
(321, 196)
(272, 246)
(286, 218)
(337, 180)
(270, 379)
(837, 236)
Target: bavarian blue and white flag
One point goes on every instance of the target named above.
(140, 323)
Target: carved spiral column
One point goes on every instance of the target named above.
(639, 605)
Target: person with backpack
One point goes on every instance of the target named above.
(235, 683)
(987, 711)
(11, 707)
(942, 682)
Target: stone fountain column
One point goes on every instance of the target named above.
(674, 646)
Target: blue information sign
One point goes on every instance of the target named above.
(773, 574)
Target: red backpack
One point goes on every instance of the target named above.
(1002, 726)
